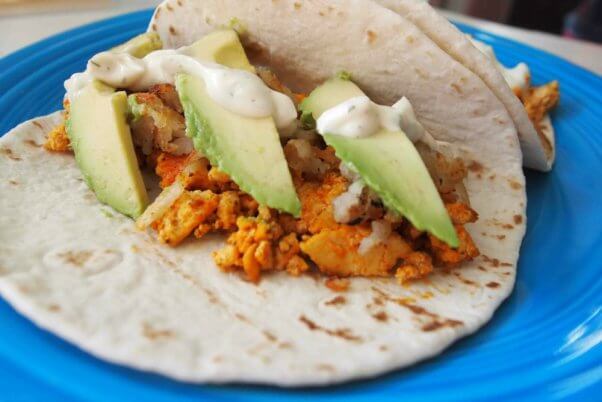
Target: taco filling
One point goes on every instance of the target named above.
(537, 100)
(344, 186)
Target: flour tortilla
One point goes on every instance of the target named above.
(537, 153)
(82, 271)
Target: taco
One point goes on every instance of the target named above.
(231, 197)
(528, 105)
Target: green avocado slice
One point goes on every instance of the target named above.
(247, 149)
(141, 45)
(102, 142)
(388, 163)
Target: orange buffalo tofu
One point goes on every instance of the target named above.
(335, 252)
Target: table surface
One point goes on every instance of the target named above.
(21, 29)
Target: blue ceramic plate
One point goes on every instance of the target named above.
(545, 342)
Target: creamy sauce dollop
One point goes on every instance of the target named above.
(238, 91)
(518, 77)
(360, 117)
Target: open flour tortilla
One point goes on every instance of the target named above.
(538, 153)
(84, 272)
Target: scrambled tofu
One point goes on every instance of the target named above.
(538, 102)
(187, 213)
(57, 140)
(260, 239)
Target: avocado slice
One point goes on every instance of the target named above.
(141, 45)
(221, 47)
(102, 142)
(103, 147)
(247, 149)
(388, 163)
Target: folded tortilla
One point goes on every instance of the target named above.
(84, 272)
(538, 150)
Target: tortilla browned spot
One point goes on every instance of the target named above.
(381, 316)
(77, 258)
(518, 219)
(9, 153)
(153, 334)
(493, 285)
(269, 336)
(343, 333)
(371, 36)
(475, 166)
(515, 185)
(456, 87)
(326, 367)
(336, 301)
(436, 325)
(436, 322)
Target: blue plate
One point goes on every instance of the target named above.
(545, 342)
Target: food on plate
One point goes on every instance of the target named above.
(529, 106)
(217, 179)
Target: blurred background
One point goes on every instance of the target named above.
(573, 18)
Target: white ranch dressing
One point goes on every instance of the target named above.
(238, 91)
(518, 77)
(360, 117)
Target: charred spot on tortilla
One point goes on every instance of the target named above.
(518, 219)
(371, 36)
(326, 367)
(456, 87)
(475, 167)
(10, 154)
(152, 333)
(381, 316)
(31, 143)
(13, 182)
(242, 317)
(53, 308)
(437, 325)
(343, 333)
(515, 185)
(76, 258)
(493, 285)
(269, 336)
(337, 300)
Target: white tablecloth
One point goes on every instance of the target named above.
(17, 31)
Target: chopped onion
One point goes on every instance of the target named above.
(154, 211)
(380, 233)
